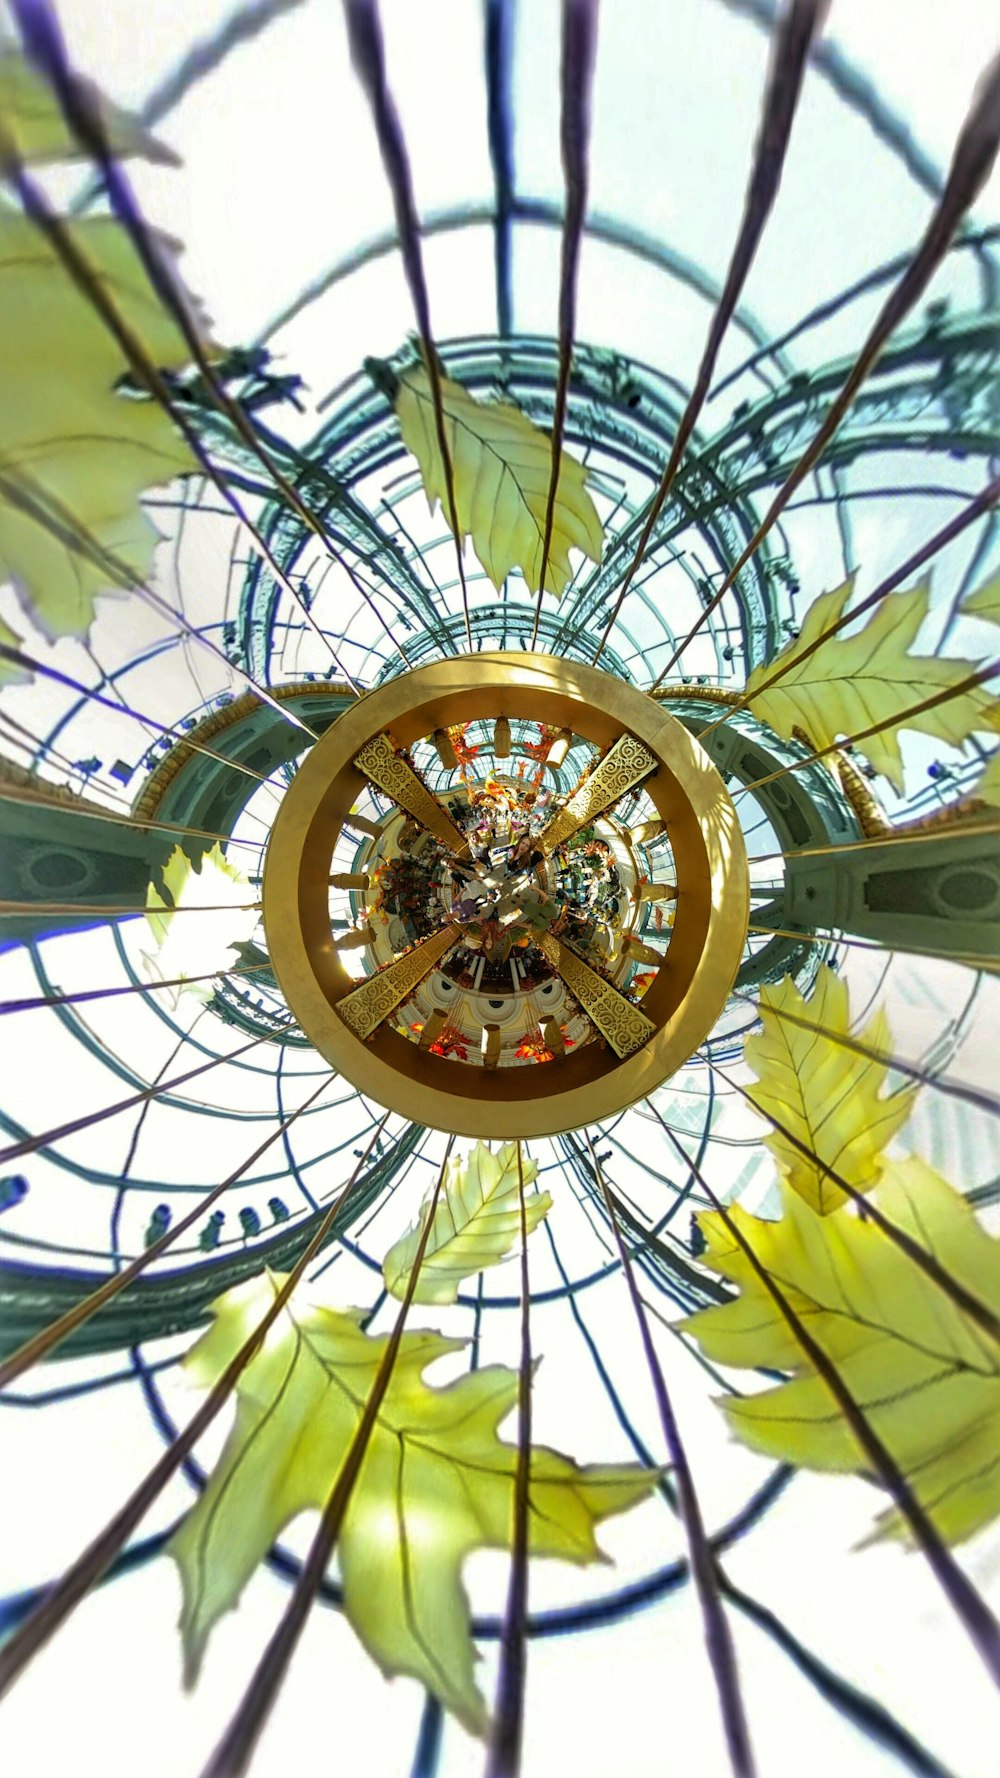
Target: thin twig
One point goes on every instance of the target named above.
(30, 1144)
(34, 1002)
(794, 35)
(972, 161)
(364, 32)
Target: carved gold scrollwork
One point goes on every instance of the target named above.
(621, 1024)
(625, 766)
(380, 762)
(366, 1007)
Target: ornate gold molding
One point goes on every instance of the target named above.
(625, 766)
(380, 761)
(621, 1024)
(871, 817)
(694, 694)
(369, 1005)
(869, 813)
(215, 723)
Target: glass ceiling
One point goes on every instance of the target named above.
(278, 199)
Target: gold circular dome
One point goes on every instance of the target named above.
(627, 1049)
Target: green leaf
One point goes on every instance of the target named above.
(476, 1224)
(985, 601)
(10, 673)
(925, 1376)
(851, 682)
(824, 1094)
(32, 118)
(196, 942)
(502, 465)
(436, 1483)
(66, 435)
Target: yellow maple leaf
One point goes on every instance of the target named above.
(924, 1374)
(436, 1483)
(987, 787)
(219, 913)
(476, 1224)
(502, 465)
(852, 682)
(10, 672)
(66, 436)
(985, 601)
(73, 446)
(822, 1092)
(32, 118)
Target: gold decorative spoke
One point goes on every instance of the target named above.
(623, 1026)
(657, 891)
(634, 742)
(626, 765)
(368, 1005)
(384, 765)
